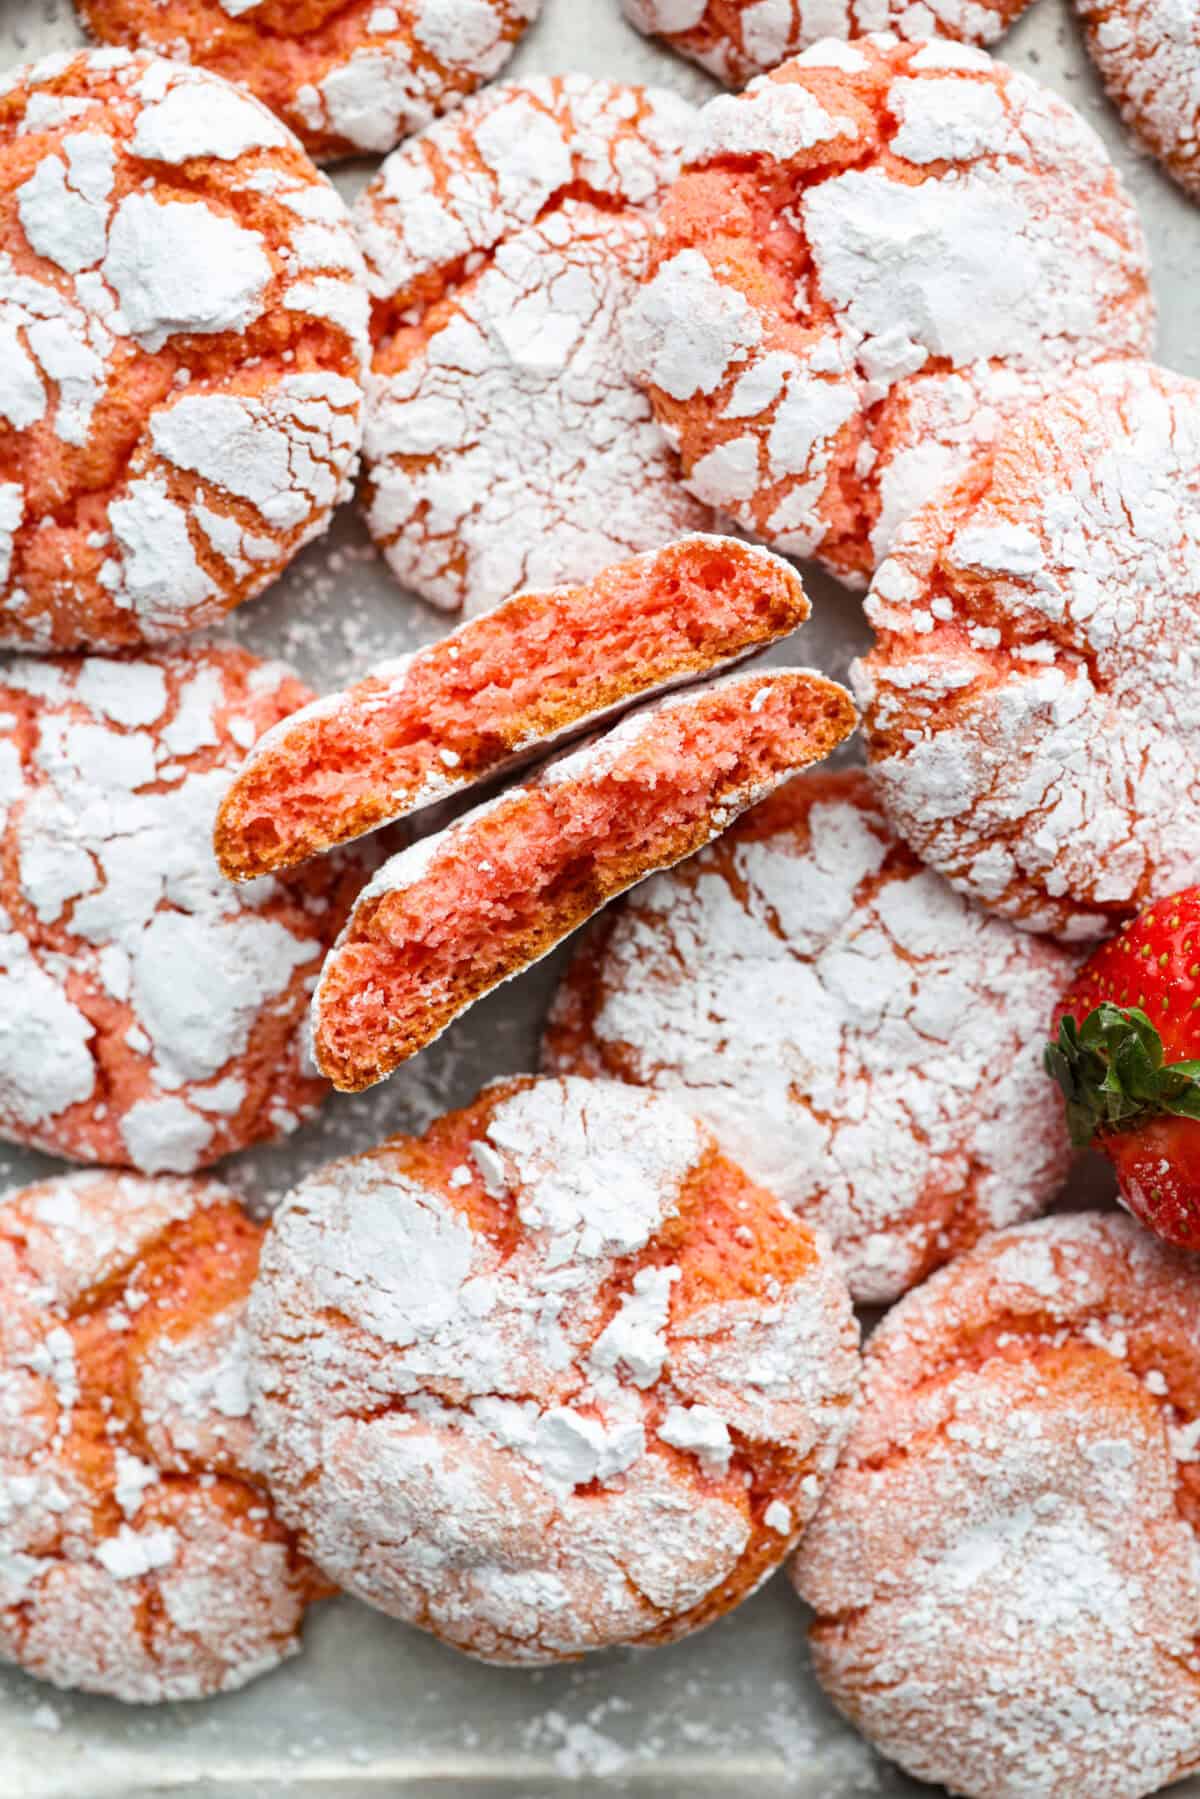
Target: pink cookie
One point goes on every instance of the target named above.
(874, 216)
(139, 1555)
(507, 446)
(554, 1376)
(347, 75)
(1004, 1567)
(1148, 52)
(150, 1014)
(1030, 702)
(182, 334)
(865, 1043)
(736, 39)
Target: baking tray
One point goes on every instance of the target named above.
(373, 1708)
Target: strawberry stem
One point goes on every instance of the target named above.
(1112, 1073)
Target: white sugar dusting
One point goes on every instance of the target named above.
(130, 270)
(126, 949)
(510, 449)
(1010, 1483)
(1080, 547)
(176, 1600)
(461, 1430)
(862, 1041)
(1016, 250)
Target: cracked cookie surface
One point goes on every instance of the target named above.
(865, 1043)
(870, 217)
(1030, 706)
(1004, 1566)
(182, 336)
(150, 1014)
(139, 1555)
(507, 447)
(738, 39)
(1148, 54)
(348, 76)
(554, 1376)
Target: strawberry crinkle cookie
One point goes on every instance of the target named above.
(867, 1045)
(736, 39)
(150, 1014)
(506, 444)
(182, 335)
(871, 256)
(348, 76)
(554, 1376)
(1004, 1568)
(1030, 702)
(537, 668)
(139, 1554)
(1148, 54)
(467, 908)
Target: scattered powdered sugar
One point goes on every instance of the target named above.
(862, 1041)
(1056, 598)
(1010, 1484)
(151, 1011)
(461, 1422)
(737, 39)
(507, 446)
(148, 286)
(980, 226)
(179, 1597)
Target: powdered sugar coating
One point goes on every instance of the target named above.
(855, 222)
(1030, 706)
(1148, 52)
(506, 445)
(138, 1556)
(1004, 1567)
(863, 1042)
(348, 76)
(149, 1013)
(738, 39)
(466, 1351)
(183, 330)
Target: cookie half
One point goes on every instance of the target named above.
(451, 918)
(538, 668)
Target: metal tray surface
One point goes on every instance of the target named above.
(373, 1708)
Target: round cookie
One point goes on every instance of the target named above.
(554, 1376)
(348, 76)
(737, 39)
(507, 447)
(182, 336)
(1030, 702)
(139, 1555)
(870, 216)
(1004, 1567)
(1148, 53)
(150, 1014)
(864, 1043)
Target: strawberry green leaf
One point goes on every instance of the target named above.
(1112, 1073)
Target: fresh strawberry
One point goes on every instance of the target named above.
(1127, 1058)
